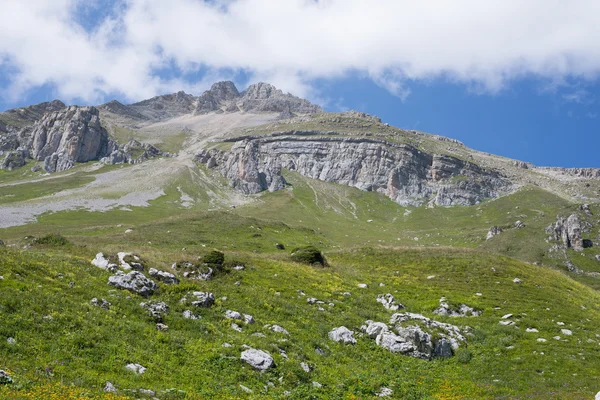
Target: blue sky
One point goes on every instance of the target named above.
(518, 79)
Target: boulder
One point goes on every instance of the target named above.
(568, 230)
(110, 388)
(279, 329)
(374, 329)
(163, 276)
(343, 335)
(258, 359)
(188, 314)
(233, 314)
(135, 282)
(442, 348)
(14, 159)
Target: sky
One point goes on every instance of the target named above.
(515, 78)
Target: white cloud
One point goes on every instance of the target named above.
(483, 44)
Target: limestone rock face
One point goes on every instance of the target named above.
(65, 137)
(568, 230)
(165, 106)
(13, 159)
(406, 175)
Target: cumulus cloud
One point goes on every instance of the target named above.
(142, 48)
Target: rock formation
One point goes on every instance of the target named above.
(568, 230)
(65, 137)
(406, 175)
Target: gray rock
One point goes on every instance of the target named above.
(305, 367)
(342, 335)
(258, 359)
(14, 159)
(188, 314)
(246, 389)
(406, 175)
(316, 384)
(11, 341)
(135, 282)
(163, 276)
(519, 224)
(389, 302)
(165, 106)
(249, 319)
(110, 388)
(102, 303)
(233, 314)
(147, 392)
(568, 230)
(461, 311)
(157, 310)
(137, 368)
(279, 329)
(236, 327)
(494, 230)
(374, 329)
(442, 348)
(384, 392)
(5, 378)
(71, 135)
(199, 299)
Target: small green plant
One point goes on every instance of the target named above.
(463, 356)
(215, 257)
(52, 239)
(308, 255)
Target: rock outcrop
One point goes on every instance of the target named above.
(568, 230)
(258, 359)
(166, 106)
(13, 159)
(134, 281)
(403, 173)
(65, 137)
(25, 116)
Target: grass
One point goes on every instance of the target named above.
(86, 346)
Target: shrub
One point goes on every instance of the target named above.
(215, 258)
(52, 239)
(308, 255)
(464, 356)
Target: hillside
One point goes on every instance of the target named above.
(258, 175)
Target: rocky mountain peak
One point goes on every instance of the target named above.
(224, 91)
(25, 116)
(261, 91)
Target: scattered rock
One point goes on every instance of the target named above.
(517, 281)
(506, 316)
(103, 303)
(389, 302)
(258, 359)
(316, 384)
(163, 276)
(135, 282)
(279, 329)
(279, 246)
(11, 341)
(494, 230)
(102, 262)
(188, 314)
(227, 345)
(541, 340)
(246, 389)
(305, 367)
(249, 319)
(566, 332)
(5, 378)
(236, 327)
(343, 335)
(233, 314)
(363, 285)
(531, 330)
(568, 230)
(461, 311)
(374, 329)
(162, 327)
(157, 310)
(109, 388)
(519, 224)
(199, 299)
(137, 368)
(384, 392)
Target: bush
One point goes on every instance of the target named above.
(308, 255)
(52, 239)
(464, 356)
(215, 258)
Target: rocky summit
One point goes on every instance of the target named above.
(244, 243)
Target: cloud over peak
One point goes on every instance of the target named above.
(140, 48)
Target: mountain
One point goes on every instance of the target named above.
(247, 244)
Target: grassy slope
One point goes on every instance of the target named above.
(86, 346)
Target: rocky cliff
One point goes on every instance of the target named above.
(406, 175)
(63, 138)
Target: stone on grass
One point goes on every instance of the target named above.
(517, 281)
(233, 314)
(343, 335)
(305, 366)
(249, 319)
(389, 302)
(541, 340)
(279, 329)
(103, 303)
(157, 310)
(163, 276)
(199, 299)
(531, 330)
(162, 327)
(110, 388)
(188, 314)
(135, 282)
(236, 327)
(137, 368)
(11, 341)
(5, 378)
(258, 359)
(100, 261)
(374, 329)
(384, 392)
(363, 285)
(566, 332)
